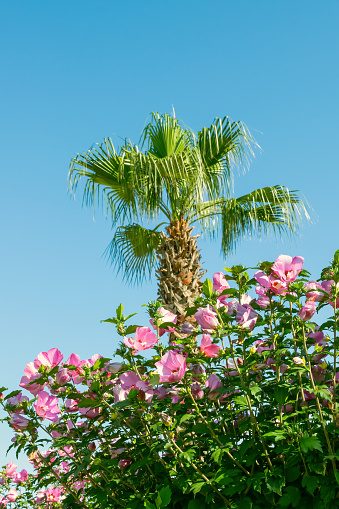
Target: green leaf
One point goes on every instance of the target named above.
(119, 311)
(309, 444)
(154, 379)
(196, 504)
(275, 483)
(285, 500)
(164, 495)
(244, 503)
(310, 483)
(149, 505)
(186, 417)
(281, 395)
(241, 401)
(217, 455)
(207, 288)
(196, 487)
(131, 329)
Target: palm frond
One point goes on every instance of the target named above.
(133, 251)
(165, 136)
(270, 209)
(223, 145)
(108, 175)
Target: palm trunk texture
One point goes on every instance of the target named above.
(179, 272)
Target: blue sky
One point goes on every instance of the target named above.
(75, 72)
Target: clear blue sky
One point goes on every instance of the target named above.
(75, 71)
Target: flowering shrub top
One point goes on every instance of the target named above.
(236, 408)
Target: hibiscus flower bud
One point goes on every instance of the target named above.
(307, 311)
(92, 446)
(299, 361)
(166, 419)
(124, 463)
(114, 367)
(187, 328)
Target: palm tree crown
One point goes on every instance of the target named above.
(183, 179)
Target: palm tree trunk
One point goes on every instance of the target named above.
(179, 272)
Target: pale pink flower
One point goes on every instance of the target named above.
(207, 319)
(288, 268)
(167, 317)
(307, 311)
(208, 348)
(12, 495)
(31, 374)
(10, 469)
(114, 367)
(298, 361)
(18, 421)
(144, 339)
(171, 367)
(47, 406)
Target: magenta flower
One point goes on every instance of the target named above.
(287, 268)
(220, 283)
(307, 311)
(246, 316)
(53, 495)
(49, 359)
(171, 367)
(213, 382)
(21, 476)
(144, 339)
(197, 391)
(47, 406)
(18, 421)
(63, 376)
(208, 348)
(272, 283)
(167, 317)
(207, 319)
(16, 400)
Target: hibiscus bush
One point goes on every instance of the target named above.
(236, 407)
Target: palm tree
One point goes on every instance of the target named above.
(185, 180)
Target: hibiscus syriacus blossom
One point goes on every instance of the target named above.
(207, 319)
(48, 359)
(307, 311)
(166, 317)
(144, 339)
(208, 348)
(287, 268)
(47, 406)
(171, 367)
(246, 316)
